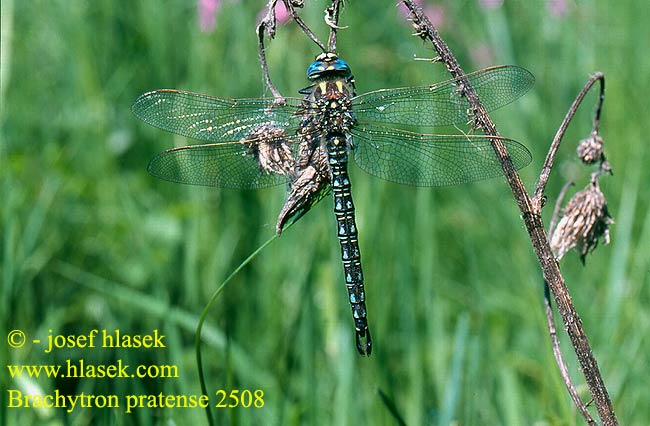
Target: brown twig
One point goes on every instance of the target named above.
(266, 27)
(550, 322)
(555, 145)
(559, 359)
(558, 206)
(291, 5)
(531, 213)
(332, 21)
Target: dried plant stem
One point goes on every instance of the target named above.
(289, 4)
(531, 213)
(332, 20)
(266, 27)
(550, 321)
(558, 205)
(555, 145)
(559, 359)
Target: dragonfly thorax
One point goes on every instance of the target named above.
(328, 107)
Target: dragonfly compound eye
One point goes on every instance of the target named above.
(322, 68)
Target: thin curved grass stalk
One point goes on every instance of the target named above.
(390, 405)
(204, 314)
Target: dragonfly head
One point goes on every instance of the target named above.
(328, 64)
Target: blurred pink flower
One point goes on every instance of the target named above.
(208, 14)
(491, 4)
(557, 8)
(436, 14)
(281, 12)
(482, 55)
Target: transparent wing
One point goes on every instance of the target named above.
(430, 160)
(213, 119)
(226, 165)
(441, 104)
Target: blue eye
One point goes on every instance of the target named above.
(315, 69)
(341, 66)
(319, 68)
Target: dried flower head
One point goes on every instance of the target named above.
(584, 221)
(590, 150)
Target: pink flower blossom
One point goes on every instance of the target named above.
(281, 13)
(491, 4)
(436, 14)
(482, 55)
(557, 8)
(208, 14)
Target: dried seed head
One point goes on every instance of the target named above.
(584, 221)
(590, 150)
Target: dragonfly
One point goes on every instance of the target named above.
(306, 143)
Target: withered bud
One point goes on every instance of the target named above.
(590, 150)
(584, 221)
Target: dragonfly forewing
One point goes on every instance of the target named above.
(442, 104)
(212, 119)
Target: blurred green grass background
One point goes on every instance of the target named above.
(90, 240)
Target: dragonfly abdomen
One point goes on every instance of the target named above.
(337, 150)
